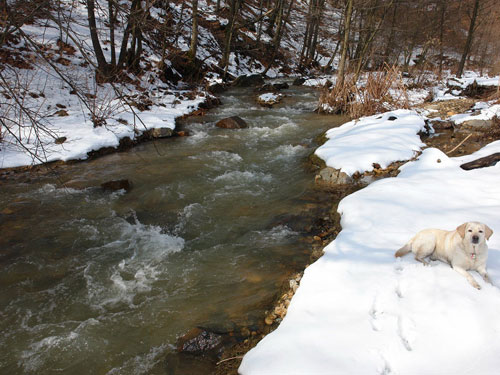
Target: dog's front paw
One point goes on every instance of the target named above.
(475, 285)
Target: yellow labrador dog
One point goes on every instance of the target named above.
(463, 248)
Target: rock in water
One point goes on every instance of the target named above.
(161, 132)
(249, 80)
(331, 176)
(233, 122)
(198, 341)
(116, 185)
(299, 81)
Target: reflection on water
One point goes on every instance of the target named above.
(99, 282)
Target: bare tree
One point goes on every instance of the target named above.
(470, 36)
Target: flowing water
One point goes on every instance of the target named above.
(96, 282)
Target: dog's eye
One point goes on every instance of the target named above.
(480, 231)
(470, 230)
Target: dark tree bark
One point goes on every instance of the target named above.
(194, 32)
(470, 36)
(229, 35)
(102, 65)
(112, 21)
(345, 44)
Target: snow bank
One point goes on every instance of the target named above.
(381, 139)
(359, 310)
(81, 136)
(469, 77)
(481, 111)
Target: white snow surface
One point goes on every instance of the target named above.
(359, 310)
(356, 145)
(481, 111)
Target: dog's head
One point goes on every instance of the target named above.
(474, 232)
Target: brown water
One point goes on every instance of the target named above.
(94, 282)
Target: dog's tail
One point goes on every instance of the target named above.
(403, 251)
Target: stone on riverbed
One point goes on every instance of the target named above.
(269, 99)
(331, 176)
(161, 132)
(249, 80)
(199, 341)
(116, 185)
(233, 122)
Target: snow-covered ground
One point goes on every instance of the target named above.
(480, 111)
(359, 310)
(383, 139)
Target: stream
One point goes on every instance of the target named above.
(99, 282)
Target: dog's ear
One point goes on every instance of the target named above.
(461, 230)
(489, 232)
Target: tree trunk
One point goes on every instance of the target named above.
(229, 36)
(194, 32)
(111, 20)
(441, 38)
(347, 28)
(470, 36)
(306, 35)
(102, 65)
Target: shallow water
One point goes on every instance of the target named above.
(104, 283)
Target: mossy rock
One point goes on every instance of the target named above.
(316, 161)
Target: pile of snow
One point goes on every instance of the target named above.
(359, 310)
(269, 98)
(383, 139)
(469, 77)
(320, 81)
(481, 111)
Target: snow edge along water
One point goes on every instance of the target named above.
(358, 310)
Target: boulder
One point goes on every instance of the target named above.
(233, 122)
(116, 185)
(281, 86)
(249, 80)
(161, 132)
(216, 88)
(198, 341)
(332, 176)
(298, 81)
(269, 99)
(477, 123)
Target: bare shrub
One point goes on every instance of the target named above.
(338, 99)
(381, 92)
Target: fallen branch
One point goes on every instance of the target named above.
(460, 144)
(229, 359)
(483, 162)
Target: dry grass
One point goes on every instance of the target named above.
(382, 91)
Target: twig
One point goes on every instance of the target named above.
(460, 144)
(229, 359)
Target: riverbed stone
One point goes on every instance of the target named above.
(198, 341)
(477, 123)
(332, 176)
(116, 185)
(249, 80)
(298, 81)
(233, 122)
(161, 132)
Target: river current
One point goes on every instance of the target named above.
(97, 282)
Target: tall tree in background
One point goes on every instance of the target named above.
(235, 5)
(345, 44)
(470, 36)
(194, 32)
